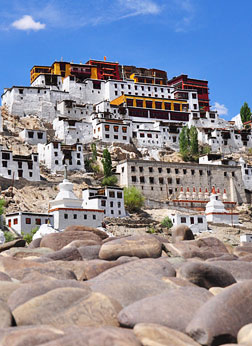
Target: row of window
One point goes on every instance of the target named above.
(115, 128)
(107, 136)
(38, 221)
(103, 204)
(152, 180)
(142, 87)
(176, 171)
(75, 216)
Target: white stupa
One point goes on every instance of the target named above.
(216, 212)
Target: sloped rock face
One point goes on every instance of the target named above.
(84, 287)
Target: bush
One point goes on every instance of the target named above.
(167, 222)
(109, 181)
(8, 236)
(28, 237)
(133, 199)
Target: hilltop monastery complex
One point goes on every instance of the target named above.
(112, 104)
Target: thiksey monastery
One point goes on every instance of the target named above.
(111, 104)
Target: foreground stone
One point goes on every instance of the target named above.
(65, 307)
(104, 336)
(219, 320)
(13, 243)
(28, 336)
(156, 335)
(205, 275)
(146, 246)
(181, 232)
(245, 335)
(202, 248)
(241, 270)
(6, 319)
(133, 281)
(101, 234)
(173, 309)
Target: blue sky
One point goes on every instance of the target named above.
(206, 39)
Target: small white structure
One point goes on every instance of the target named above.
(216, 212)
(112, 131)
(26, 221)
(109, 198)
(196, 222)
(19, 166)
(67, 209)
(246, 238)
(44, 230)
(55, 155)
(33, 137)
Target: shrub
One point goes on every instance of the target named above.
(107, 163)
(167, 222)
(28, 237)
(133, 199)
(8, 236)
(109, 181)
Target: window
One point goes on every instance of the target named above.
(107, 127)
(233, 174)
(56, 162)
(151, 179)
(30, 134)
(112, 194)
(4, 163)
(200, 172)
(150, 169)
(115, 136)
(124, 138)
(168, 170)
(115, 85)
(141, 169)
(119, 194)
(116, 128)
(192, 171)
(65, 216)
(148, 104)
(200, 220)
(176, 171)
(133, 168)
(55, 145)
(5, 156)
(30, 174)
(106, 136)
(194, 106)
(103, 203)
(129, 102)
(139, 103)
(15, 221)
(225, 174)
(208, 172)
(161, 180)
(124, 129)
(94, 217)
(142, 179)
(141, 135)
(184, 171)
(167, 106)
(19, 164)
(55, 153)
(85, 217)
(176, 106)
(183, 219)
(38, 221)
(149, 135)
(75, 216)
(28, 221)
(177, 181)
(158, 105)
(133, 179)
(159, 169)
(169, 180)
(194, 96)
(9, 172)
(21, 91)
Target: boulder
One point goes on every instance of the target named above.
(151, 334)
(4, 277)
(103, 336)
(135, 280)
(89, 252)
(28, 336)
(101, 234)
(146, 246)
(6, 319)
(241, 270)
(26, 292)
(202, 248)
(18, 252)
(35, 243)
(7, 288)
(244, 335)
(205, 275)
(181, 232)
(219, 319)
(56, 241)
(97, 266)
(13, 243)
(65, 254)
(173, 309)
(57, 273)
(65, 307)
(81, 243)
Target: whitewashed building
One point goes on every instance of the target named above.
(246, 238)
(25, 221)
(68, 210)
(109, 198)
(196, 222)
(19, 166)
(55, 155)
(33, 137)
(71, 131)
(112, 131)
(246, 171)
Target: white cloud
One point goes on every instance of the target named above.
(139, 7)
(28, 23)
(221, 109)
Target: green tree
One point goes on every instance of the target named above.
(2, 204)
(107, 163)
(109, 181)
(94, 152)
(133, 199)
(194, 144)
(167, 222)
(184, 141)
(245, 113)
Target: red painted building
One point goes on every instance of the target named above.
(105, 69)
(182, 82)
